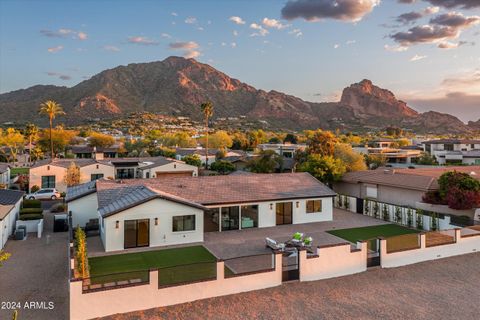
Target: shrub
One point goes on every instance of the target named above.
(433, 197)
(31, 210)
(31, 216)
(420, 219)
(462, 199)
(81, 253)
(386, 213)
(375, 209)
(58, 208)
(32, 204)
(34, 189)
(398, 215)
(409, 217)
(366, 207)
(222, 166)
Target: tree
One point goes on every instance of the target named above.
(266, 162)
(240, 141)
(4, 256)
(456, 189)
(290, 138)
(222, 167)
(51, 109)
(426, 159)
(218, 140)
(193, 160)
(353, 160)
(31, 133)
(59, 137)
(322, 143)
(81, 253)
(274, 140)
(14, 140)
(72, 178)
(256, 137)
(207, 109)
(325, 168)
(100, 140)
(375, 160)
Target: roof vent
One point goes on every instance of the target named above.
(181, 186)
(473, 173)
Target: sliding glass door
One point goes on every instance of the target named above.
(230, 218)
(136, 233)
(283, 213)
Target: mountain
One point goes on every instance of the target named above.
(177, 86)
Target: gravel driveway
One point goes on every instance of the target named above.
(443, 289)
(36, 273)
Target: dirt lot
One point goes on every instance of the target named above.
(442, 289)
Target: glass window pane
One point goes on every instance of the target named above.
(249, 216)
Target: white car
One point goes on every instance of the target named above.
(44, 194)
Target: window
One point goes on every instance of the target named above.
(249, 216)
(48, 182)
(183, 223)
(448, 147)
(314, 206)
(372, 192)
(230, 217)
(147, 175)
(96, 176)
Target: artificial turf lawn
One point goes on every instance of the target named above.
(176, 265)
(385, 230)
(17, 171)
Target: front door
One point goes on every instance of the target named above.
(283, 213)
(136, 233)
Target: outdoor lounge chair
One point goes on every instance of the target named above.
(274, 245)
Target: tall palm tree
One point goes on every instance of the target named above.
(31, 132)
(207, 109)
(51, 109)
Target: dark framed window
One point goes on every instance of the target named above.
(96, 176)
(448, 147)
(314, 206)
(183, 223)
(48, 182)
(283, 212)
(250, 216)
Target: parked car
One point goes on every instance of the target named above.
(44, 194)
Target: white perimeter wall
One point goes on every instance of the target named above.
(461, 246)
(333, 261)
(7, 225)
(104, 303)
(160, 235)
(83, 209)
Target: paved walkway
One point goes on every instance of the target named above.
(37, 272)
(229, 244)
(442, 289)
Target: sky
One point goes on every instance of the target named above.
(425, 51)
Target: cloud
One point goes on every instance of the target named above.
(142, 41)
(395, 48)
(313, 10)
(65, 33)
(233, 44)
(174, 14)
(59, 75)
(55, 49)
(296, 32)
(465, 4)
(273, 23)
(417, 58)
(189, 48)
(235, 33)
(260, 31)
(349, 42)
(465, 82)
(455, 20)
(236, 20)
(111, 48)
(191, 20)
(425, 34)
(336, 46)
(166, 35)
(453, 45)
(413, 16)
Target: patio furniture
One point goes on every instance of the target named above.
(274, 245)
(247, 222)
(92, 225)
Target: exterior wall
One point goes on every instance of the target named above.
(7, 225)
(399, 196)
(170, 167)
(350, 189)
(333, 261)
(83, 209)
(300, 214)
(60, 173)
(161, 234)
(462, 245)
(99, 304)
(5, 177)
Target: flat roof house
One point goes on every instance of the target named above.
(10, 201)
(169, 211)
(454, 151)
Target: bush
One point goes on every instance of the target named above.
(31, 210)
(31, 204)
(462, 199)
(31, 216)
(34, 189)
(58, 208)
(433, 197)
(222, 166)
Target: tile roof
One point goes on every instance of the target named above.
(10, 196)
(65, 163)
(215, 190)
(423, 179)
(5, 210)
(80, 190)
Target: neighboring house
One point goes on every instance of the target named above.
(10, 202)
(51, 174)
(82, 203)
(169, 211)
(454, 151)
(403, 187)
(85, 151)
(284, 149)
(4, 175)
(406, 155)
(150, 167)
(180, 153)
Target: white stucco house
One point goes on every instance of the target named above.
(454, 151)
(179, 210)
(4, 175)
(10, 202)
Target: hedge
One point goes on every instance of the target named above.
(31, 210)
(31, 216)
(32, 204)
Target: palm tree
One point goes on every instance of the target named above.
(31, 132)
(51, 109)
(207, 109)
